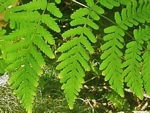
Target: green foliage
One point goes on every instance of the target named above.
(29, 38)
(74, 58)
(112, 63)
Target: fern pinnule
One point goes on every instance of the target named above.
(43, 47)
(83, 21)
(72, 32)
(24, 16)
(50, 22)
(31, 6)
(35, 66)
(87, 44)
(109, 3)
(124, 2)
(98, 9)
(88, 33)
(90, 2)
(51, 7)
(37, 55)
(10, 68)
(58, 1)
(80, 13)
(94, 15)
(47, 36)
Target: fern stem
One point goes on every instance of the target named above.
(108, 19)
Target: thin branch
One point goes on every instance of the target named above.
(80, 3)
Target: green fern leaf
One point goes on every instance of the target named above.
(94, 15)
(109, 3)
(133, 14)
(82, 21)
(49, 21)
(27, 40)
(132, 65)
(87, 44)
(34, 16)
(133, 59)
(98, 9)
(37, 56)
(90, 2)
(32, 6)
(125, 2)
(90, 35)
(74, 58)
(111, 64)
(46, 35)
(54, 10)
(68, 45)
(58, 1)
(72, 32)
(145, 70)
(80, 13)
(43, 47)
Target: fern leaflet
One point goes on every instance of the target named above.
(28, 39)
(74, 58)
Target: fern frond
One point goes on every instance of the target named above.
(133, 14)
(146, 70)
(132, 66)
(28, 39)
(74, 58)
(111, 64)
(133, 58)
